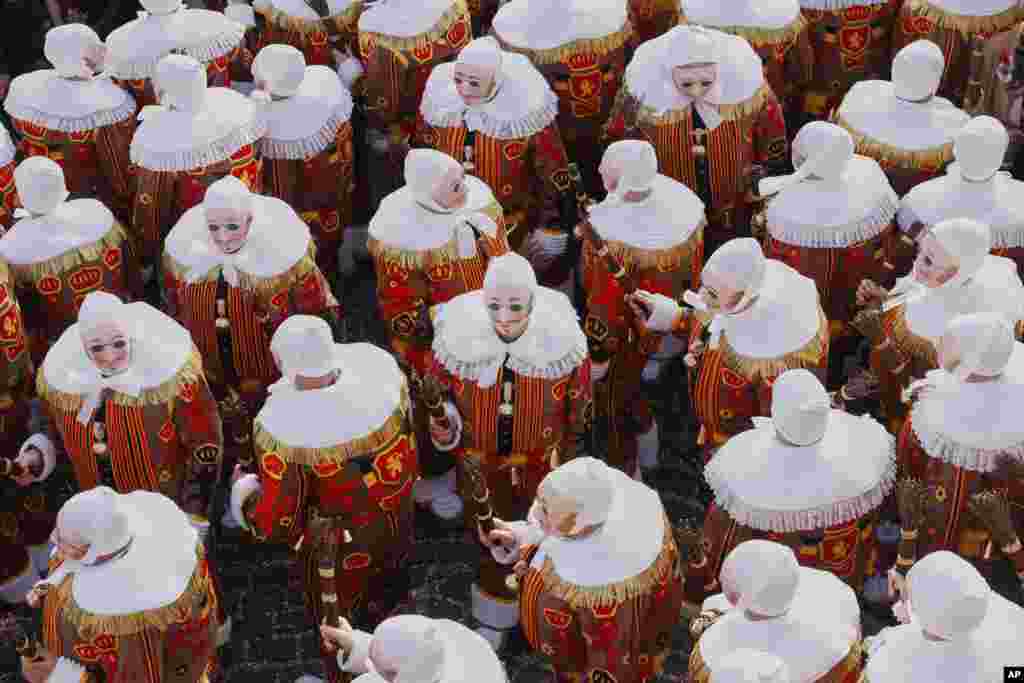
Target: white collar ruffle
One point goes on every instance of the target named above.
(301, 10)
(872, 109)
(545, 25)
(753, 13)
(76, 223)
(404, 18)
(7, 148)
(307, 123)
(974, 8)
(837, 5)
(667, 217)
(46, 99)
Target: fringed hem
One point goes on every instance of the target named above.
(57, 266)
(268, 285)
(589, 46)
(760, 37)
(1008, 238)
(395, 426)
(531, 124)
(619, 592)
(418, 259)
(470, 372)
(816, 237)
(941, 447)
(790, 521)
(99, 119)
(672, 258)
(458, 10)
(213, 49)
(889, 156)
(122, 625)
(339, 23)
(191, 371)
(967, 26)
(729, 112)
(309, 146)
(919, 348)
(211, 153)
(810, 356)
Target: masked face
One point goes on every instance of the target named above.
(610, 177)
(94, 57)
(718, 293)
(109, 348)
(556, 516)
(509, 309)
(694, 80)
(473, 83)
(934, 265)
(229, 230)
(451, 192)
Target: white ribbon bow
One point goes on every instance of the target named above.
(126, 382)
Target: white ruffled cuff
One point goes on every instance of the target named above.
(452, 413)
(552, 243)
(44, 445)
(598, 371)
(243, 488)
(663, 314)
(358, 660)
(66, 671)
(349, 71)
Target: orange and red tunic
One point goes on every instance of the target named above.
(8, 193)
(651, 18)
(315, 38)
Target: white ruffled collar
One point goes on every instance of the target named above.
(403, 223)
(301, 10)
(277, 241)
(872, 109)
(169, 140)
(974, 425)
(306, 124)
(403, 18)
(754, 13)
(667, 217)
(7, 148)
(740, 73)
(615, 552)
(135, 48)
(974, 8)
(836, 5)
(821, 214)
(46, 99)
(524, 104)
(74, 224)
(767, 484)
(342, 412)
(466, 344)
(545, 25)
(159, 350)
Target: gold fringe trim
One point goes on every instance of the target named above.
(620, 591)
(90, 625)
(191, 371)
(729, 112)
(392, 428)
(262, 285)
(887, 155)
(673, 258)
(810, 356)
(591, 46)
(401, 44)
(910, 344)
(57, 266)
(966, 26)
(762, 37)
(412, 259)
(346, 21)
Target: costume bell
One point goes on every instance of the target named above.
(315, 28)
(325, 468)
(700, 97)
(60, 251)
(80, 120)
(307, 150)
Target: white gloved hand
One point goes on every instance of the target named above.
(664, 311)
(552, 244)
(598, 371)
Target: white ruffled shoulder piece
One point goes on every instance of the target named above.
(872, 109)
(46, 99)
(465, 343)
(741, 72)
(403, 18)
(76, 223)
(468, 658)
(403, 223)
(159, 350)
(172, 141)
(818, 631)
(524, 105)
(369, 390)
(832, 215)
(752, 13)
(615, 552)
(7, 148)
(277, 241)
(306, 124)
(998, 203)
(974, 8)
(301, 10)
(996, 288)
(785, 317)
(545, 25)
(974, 425)
(164, 544)
(135, 48)
(767, 484)
(666, 218)
(838, 5)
